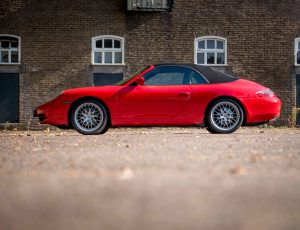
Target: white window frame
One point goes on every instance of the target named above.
(10, 50)
(297, 49)
(205, 51)
(103, 50)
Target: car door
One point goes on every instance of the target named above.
(165, 94)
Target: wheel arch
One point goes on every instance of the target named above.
(226, 97)
(76, 102)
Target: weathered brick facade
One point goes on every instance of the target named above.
(56, 41)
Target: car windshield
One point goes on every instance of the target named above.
(124, 81)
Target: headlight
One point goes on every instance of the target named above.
(265, 93)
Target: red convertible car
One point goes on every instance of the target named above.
(164, 95)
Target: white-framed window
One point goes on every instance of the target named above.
(108, 50)
(297, 51)
(211, 51)
(10, 48)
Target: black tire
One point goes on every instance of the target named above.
(89, 117)
(224, 116)
(211, 130)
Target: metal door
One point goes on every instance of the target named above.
(101, 79)
(9, 97)
(153, 102)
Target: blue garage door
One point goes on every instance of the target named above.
(298, 98)
(9, 97)
(107, 78)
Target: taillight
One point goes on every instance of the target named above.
(265, 93)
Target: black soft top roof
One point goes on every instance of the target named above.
(211, 75)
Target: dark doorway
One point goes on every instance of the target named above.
(101, 79)
(298, 98)
(9, 97)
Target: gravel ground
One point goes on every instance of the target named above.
(150, 178)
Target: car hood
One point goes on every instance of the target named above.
(92, 89)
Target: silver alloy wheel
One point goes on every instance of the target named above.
(225, 115)
(88, 117)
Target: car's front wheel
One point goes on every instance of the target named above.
(89, 118)
(224, 116)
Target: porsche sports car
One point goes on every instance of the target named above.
(164, 95)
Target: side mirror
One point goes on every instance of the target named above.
(139, 81)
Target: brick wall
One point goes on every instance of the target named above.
(56, 40)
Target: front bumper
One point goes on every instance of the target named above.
(52, 113)
(39, 114)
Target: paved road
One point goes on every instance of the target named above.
(156, 178)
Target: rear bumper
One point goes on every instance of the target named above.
(274, 119)
(262, 109)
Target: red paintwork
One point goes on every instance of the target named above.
(163, 105)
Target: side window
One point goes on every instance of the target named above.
(168, 75)
(196, 79)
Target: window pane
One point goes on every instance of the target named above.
(99, 44)
(107, 43)
(118, 57)
(221, 58)
(14, 44)
(298, 57)
(171, 78)
(298, 45)
(211, 44)
(220, 45)
(4, 56)
(196, 79)
(210, 58)
(168, 76)
(201, 45)
(200, 58)
(108, 57)
(98, 57)
(117, 44)
(4, 44)
(14, 56)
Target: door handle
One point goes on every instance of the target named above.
(184, 94)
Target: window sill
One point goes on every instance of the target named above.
(209, 65)
(96, 64)
(10, 64)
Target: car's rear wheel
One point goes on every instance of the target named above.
(90, 118)
(224, 116)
